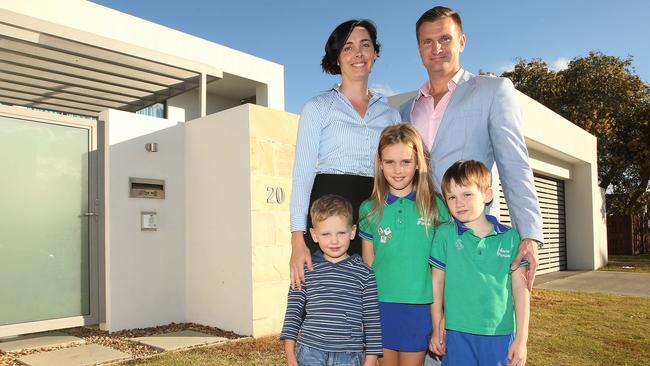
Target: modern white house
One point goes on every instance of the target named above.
(158, 190)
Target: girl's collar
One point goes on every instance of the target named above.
(390, 198)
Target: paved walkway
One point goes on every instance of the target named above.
(91, 354)
(75, 353)
(38, 340)
(179, 340)
(619, 283)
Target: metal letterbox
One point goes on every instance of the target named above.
(146, 188)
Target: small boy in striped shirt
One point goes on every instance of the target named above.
(334, 317)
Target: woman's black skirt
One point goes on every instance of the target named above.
(354, 188)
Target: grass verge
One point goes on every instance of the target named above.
(628, 263)
(248, 352)
(567, 328)
(578, 328)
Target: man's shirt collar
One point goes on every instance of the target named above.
(425, 90)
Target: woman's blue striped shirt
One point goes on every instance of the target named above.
(334, 139)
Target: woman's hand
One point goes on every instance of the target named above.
(300, 255)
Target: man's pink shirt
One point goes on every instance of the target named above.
(426, 117)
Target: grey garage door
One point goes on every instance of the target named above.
(550, 192)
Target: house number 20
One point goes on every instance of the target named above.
(275, 195)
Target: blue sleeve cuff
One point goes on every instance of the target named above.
(437, 263)
(365, 235)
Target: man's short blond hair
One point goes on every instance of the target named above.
(437, 13)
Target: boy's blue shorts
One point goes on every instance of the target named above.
(405, 327)
(465, 349)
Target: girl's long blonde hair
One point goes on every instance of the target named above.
(425, 191)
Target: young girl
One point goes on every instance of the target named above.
(396, 226)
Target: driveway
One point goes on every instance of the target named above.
(619, 283)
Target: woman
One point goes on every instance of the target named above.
(338, 134)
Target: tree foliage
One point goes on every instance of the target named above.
(603, 95)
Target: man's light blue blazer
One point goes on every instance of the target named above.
(483, 122)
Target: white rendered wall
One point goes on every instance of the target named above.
(218, 251)
(185, 107)
(566, 149)
(97, 19)
(145, 270)
(217, 103)
(238, 240)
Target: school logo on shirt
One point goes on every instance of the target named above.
(505, 253)
(423, 222)
(384, 234)
(459, 244)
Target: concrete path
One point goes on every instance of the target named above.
(91, 354)
(38, 340)
(94, 354)
(619, 283)
(178, 340)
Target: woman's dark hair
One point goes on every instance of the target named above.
(337, 40)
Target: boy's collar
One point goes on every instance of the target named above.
(319, 256)
(390, 198)
(499, 228)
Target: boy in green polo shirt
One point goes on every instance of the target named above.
(484, 302)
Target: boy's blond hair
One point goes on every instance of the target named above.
(330, 205)
(466, 173)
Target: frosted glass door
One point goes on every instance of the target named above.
(44, 226)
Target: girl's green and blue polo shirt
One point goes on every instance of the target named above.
(402, 243)
(478, 291)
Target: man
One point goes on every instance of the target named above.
(469, 117)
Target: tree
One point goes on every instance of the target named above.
(603, 95)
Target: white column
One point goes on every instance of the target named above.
(203, 94)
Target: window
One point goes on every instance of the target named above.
(154, 110)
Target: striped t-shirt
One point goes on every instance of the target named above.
(336, 310)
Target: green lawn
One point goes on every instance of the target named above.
(578, 328)
(628, 263)
(567, 328)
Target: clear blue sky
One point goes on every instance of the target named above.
(293, 33)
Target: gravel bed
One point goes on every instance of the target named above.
(119, 340)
